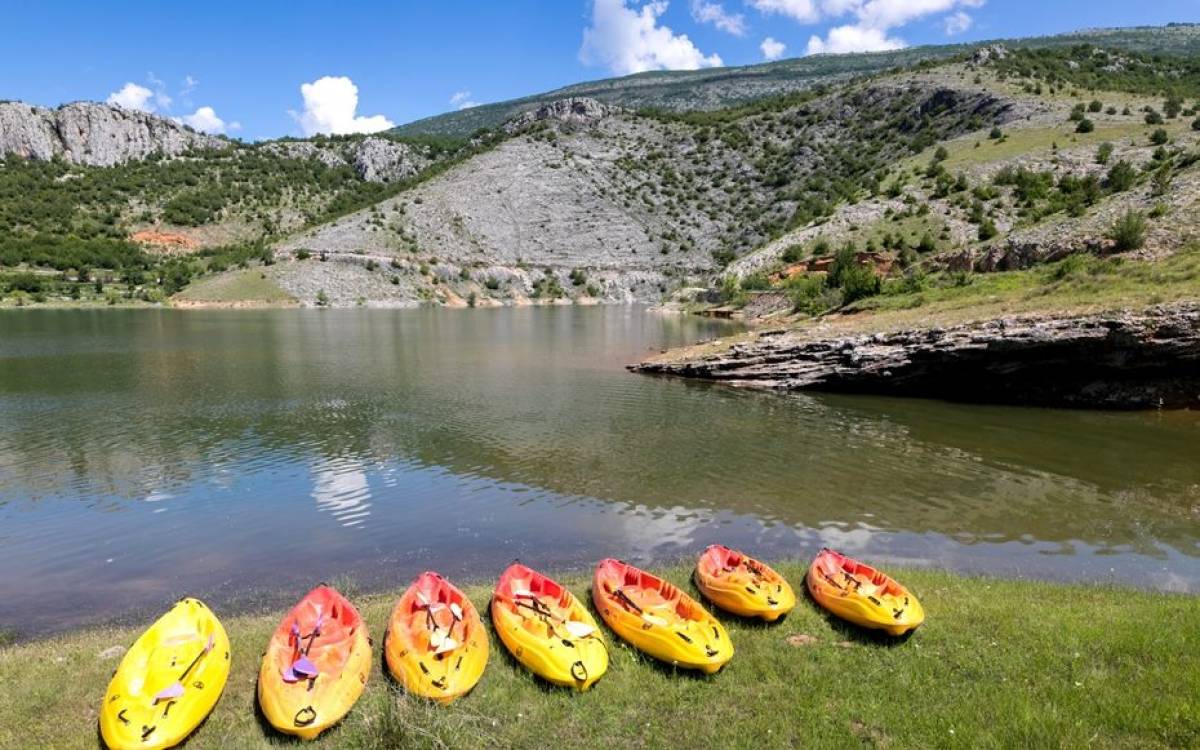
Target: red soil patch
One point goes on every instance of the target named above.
(164, 240)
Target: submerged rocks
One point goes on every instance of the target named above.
(1119, 360)
(93, 134)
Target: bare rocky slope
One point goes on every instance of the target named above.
(93, 134)
(586, 201)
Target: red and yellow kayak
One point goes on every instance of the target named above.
(316, 665)
(436, 645)
(169, 680)
(862, 595)
(738, 583)
(658, 619)
(547, 629)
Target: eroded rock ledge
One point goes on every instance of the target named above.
(1119, 360)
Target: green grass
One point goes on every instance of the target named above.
(247, 285)
(998, 663)
(1026, 141)
(1076, 283)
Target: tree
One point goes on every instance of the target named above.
(1129, 231)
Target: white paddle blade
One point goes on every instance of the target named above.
(456, 610)
(653, 619)
(579, 629)
(447, 644)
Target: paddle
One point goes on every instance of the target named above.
(175, 689)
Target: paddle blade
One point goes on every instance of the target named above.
(171, 692)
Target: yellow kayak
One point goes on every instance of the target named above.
(659, 619)
(742, 585)
(435, 644)
(169, 680)
(862, 595)
(547, 629)
(316, 665)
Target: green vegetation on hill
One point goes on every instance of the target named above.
(721, 88)
(1087, 67)
(998, 663)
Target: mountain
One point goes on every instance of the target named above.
(719, 88)
(996, 159)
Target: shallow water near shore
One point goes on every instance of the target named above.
(242, 456)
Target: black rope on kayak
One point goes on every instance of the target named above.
(716, 633)
(121, 716)
(147, 731)
(624, 598)
(458, 663)
(305, 716)
(710, 650)
(683, 635)
(875, 601)
(167, 708)
(581, 667)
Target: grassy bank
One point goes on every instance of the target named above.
(999, 663)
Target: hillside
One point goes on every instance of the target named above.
(720, 88)
(996, 159)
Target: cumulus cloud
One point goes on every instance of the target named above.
(957, 23)
(331, 105)
(162, 99)
(804, 11)
(704, 11)
(771, 49)
(462, 100)
(132, 96)
(205, 120)
(876, 19)
(853, 38)
(630, 40)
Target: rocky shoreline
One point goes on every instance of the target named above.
(1126, 359)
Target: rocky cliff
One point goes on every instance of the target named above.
(1124, 359)
(93, 134)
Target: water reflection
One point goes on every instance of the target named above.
(208, 452)
(341, 489)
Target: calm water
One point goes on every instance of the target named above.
(243, 455)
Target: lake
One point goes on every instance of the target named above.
(243, 456)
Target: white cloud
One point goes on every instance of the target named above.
(132, 96)
(462, 100)
(875, 19)
(330, 106)
(805, 11)
(957, 23)
(234, 126)
(704, 11)
(205, 120)
(630, 40)
(853, 38)
(771, 49)
(161, 99)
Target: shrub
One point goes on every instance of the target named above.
(492, 283)
(303, 254)
(322, 298)
(1196, 124)
(1085, 126)
(996, 134)
(987, 229)
(578, 277)
(756, 282)
(1159, 137)
(1154, 118)
(792, 253)
(1096, 105)
(1121, 177)
(1129, 231)
(941, 154)
(1104, 153)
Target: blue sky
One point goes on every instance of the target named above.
(240, 67)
